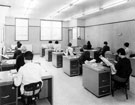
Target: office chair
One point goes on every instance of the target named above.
(31, 93)
(124, 84)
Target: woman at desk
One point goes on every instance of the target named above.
(50, 45)
(69, 50)
(89, 46)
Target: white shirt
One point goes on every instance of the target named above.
(70, 51)
(128, 52)
(29, 73)
(57, 47)
(50, 46)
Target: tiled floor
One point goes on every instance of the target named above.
(70, 91)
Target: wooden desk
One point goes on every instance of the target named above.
(48, 54)
(9, 93)
(71, 65)
(97, 79)
(7, 64)
(57, 59)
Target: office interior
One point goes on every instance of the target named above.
(114, 24)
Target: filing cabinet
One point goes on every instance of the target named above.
(71, 65)
(97, 79)
(8, 95)
(57, 59)
(48, 54)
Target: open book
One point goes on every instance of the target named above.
(108, 63)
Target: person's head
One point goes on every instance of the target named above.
(56, 42)
(19, 44)
(28, 56)
(23, 49)
(81, 50)
(126, 44)
(69, 44)
(88, 43)
(121, 52)
(105, 42)
(50, 42)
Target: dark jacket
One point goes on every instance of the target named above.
(123, 68)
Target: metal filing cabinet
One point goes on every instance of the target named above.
(48, 54)
(8, 95)
(97, 79)
(71, 65)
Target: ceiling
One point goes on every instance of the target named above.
(45, 8)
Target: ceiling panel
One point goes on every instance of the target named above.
(44, 8)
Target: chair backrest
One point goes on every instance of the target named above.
(32, 89)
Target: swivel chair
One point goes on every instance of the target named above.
(31, 93)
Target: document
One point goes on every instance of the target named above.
(108, 63)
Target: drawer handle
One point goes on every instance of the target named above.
(6, 96)
(103, 80)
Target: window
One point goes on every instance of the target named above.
(21, 29)
(51, 30)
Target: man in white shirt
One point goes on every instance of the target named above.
(127, 49)
(29, 73)
(69, 50)
(57, 46)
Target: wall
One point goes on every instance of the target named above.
(34, 34)
(115, 25)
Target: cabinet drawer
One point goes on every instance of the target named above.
(104, 90)
(74, 64)
(104, 79)
(8, 94)
(74, 72)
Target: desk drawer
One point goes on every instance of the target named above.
(104, 90)
(104, 79)
(74, 72)
(74, 64)
(8, 94)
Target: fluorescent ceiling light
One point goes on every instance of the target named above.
(113, 4)
(92, 11)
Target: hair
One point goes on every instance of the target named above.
(81, 50)
(28, 55)
(126, 44)
(106, 42)
(56, 42)
(121, 51)
(19, 44)
(70, 44)
(88, 43)
(50, 41)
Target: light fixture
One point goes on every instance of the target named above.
(113, 4)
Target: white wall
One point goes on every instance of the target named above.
(34, 34)
(108, 26)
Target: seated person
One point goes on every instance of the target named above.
(19, 45)
(89, 46)
(16, 53)
(105, 48)
(50, 45)
(28, 73)
(123, 67)
(20, 59)
(69, 50)
(85, 56)
(127, 49)
(57, 46)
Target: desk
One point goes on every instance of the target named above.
(57, 59)
(48, 54)
(97, 79)
(132, 60)
(7, 64)
(9, 93)
(43, 52)
(71, 65)
(93, 53)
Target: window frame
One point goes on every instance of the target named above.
(51, 38)
(27, 31)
